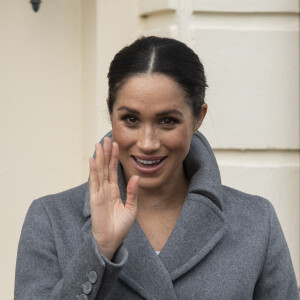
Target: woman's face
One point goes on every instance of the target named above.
(153, 126)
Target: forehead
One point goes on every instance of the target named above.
(151, 92)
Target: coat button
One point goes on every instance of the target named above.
(87, 288)
(92, 277)
(82, 297)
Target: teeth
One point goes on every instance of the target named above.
(147, 162)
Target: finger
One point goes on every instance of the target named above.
(99, 163)
(132, 193)
(113, 164)
(106, 151)
(93, 177)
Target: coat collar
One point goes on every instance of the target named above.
(199, 228)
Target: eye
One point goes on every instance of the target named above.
(130, 119)
(169, 121)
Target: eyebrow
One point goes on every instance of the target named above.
(163, 113)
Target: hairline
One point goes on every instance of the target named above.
(145, 73)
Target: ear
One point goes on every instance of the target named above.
(201, 116)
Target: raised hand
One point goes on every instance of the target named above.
(111, 219)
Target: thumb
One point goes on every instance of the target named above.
(132, 192)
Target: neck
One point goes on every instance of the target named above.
(167, 197)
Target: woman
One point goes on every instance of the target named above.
(154, 221)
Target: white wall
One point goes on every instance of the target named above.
(40, 113)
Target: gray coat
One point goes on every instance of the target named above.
(226, 245)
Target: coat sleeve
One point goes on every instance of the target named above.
(88, 274)
(277, 280)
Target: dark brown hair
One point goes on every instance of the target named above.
(161, 56)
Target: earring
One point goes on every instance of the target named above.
(195, 131)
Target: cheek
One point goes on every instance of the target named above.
(179, 141)
(122, 136)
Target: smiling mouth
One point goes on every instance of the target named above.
(148, 162)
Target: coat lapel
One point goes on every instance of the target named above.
(198, 229)
(144, 271)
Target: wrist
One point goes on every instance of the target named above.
(107, 251)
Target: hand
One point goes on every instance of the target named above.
(111, 219)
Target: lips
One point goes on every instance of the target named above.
(148, 162)
(148, 165)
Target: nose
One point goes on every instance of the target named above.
(148, 141)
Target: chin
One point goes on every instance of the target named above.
(149, 183)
